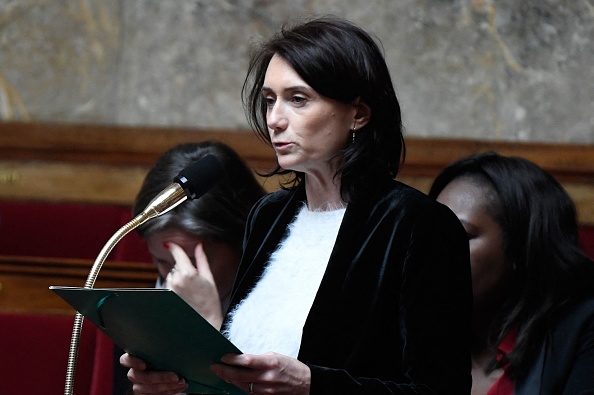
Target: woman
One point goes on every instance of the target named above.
(533, 329)
(350, 282)
(203, 233)
(201, 238)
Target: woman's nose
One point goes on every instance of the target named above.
(275, 117)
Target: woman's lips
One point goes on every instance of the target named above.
(281, 146)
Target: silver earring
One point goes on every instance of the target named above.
(353, 134)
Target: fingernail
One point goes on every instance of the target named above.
(175, 378)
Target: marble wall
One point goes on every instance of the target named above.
(518, 70)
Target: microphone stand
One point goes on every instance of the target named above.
(185, 186)
(171, 197)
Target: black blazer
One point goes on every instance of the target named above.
(565, 364)
(392, 314)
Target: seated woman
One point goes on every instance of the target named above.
(202, 235)
(533, 329)
(201, 238)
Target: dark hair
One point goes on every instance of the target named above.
(342, 62)
(221, 213)
(540, 231)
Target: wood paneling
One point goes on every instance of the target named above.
(102, 163)
(25, 281)
(117, 145)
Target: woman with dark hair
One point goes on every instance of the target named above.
(197, 245)
(533, 329)
(211, 227)
(347, 66)
(350, 282)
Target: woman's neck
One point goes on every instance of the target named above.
(323, 193)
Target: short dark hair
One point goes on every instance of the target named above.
(539, 225)
(221, 213)
(340, 61)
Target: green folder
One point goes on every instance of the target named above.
(159, 327)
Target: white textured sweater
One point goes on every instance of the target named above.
(272, 315)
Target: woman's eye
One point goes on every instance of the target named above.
(299, 99)
(269, 101)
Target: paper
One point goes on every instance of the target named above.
(159, 327)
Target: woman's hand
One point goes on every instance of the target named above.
(151, 382)
(268, 373)
(195, 285)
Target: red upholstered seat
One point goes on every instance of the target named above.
(34, 348)
(586, 236)
(34, 356)
(66, 230)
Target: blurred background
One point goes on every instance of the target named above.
(498, 70)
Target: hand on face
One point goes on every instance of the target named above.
(268, 373)
(195, 285)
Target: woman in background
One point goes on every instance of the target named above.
(201, 238)
(202, 235)
(533, 329)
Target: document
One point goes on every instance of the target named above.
(159, 327)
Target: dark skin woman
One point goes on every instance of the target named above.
(533, 329)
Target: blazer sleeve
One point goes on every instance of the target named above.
(566, 359)
(581, 379)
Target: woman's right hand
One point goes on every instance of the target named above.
(195, 284)
(151, 382)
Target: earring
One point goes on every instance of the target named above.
(353, 131)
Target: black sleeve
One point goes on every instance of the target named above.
(435, 317)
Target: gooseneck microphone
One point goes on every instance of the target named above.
(191, 183)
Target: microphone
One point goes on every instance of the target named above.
(190, 183)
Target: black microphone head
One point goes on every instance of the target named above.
(200, 176)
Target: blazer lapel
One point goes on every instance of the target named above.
(270, 236)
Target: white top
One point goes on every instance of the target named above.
(272, 315)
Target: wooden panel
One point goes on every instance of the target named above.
(43, 180)
(24, 281)
(102, 163)
(116, 144)
(566, 161)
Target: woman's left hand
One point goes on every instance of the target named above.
(195, 285)
(269, 373)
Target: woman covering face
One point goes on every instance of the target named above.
(196, 246)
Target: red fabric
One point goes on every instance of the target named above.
(34, 348)
(504, 384)
(102, 376)
(67, 230)
(132, 248)
(586, 237)
(34, 354)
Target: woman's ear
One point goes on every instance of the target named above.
(362, 113)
